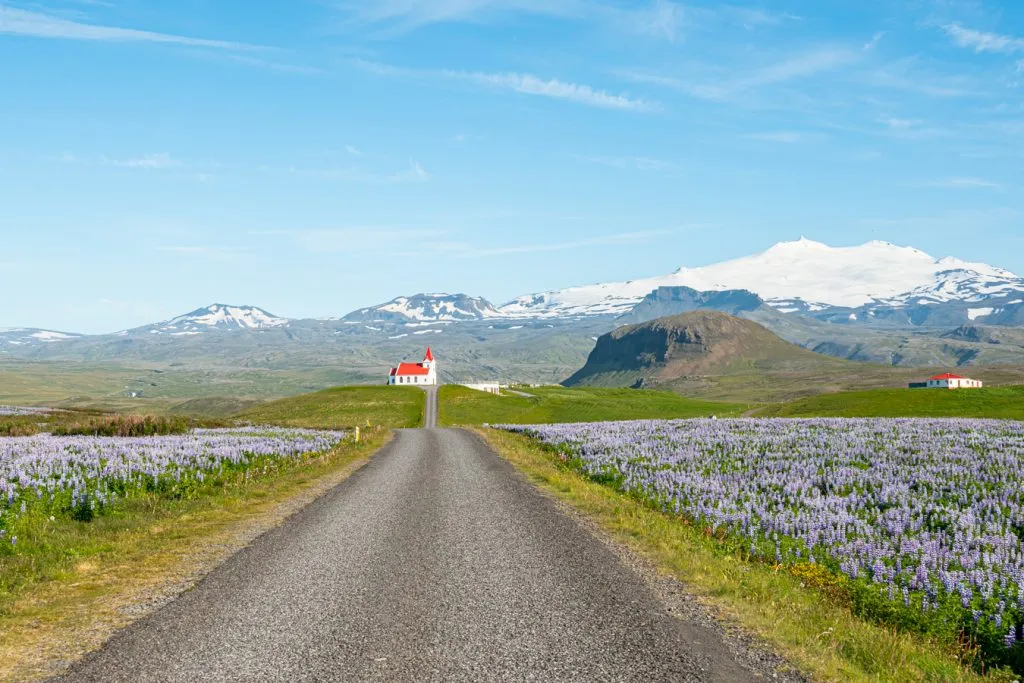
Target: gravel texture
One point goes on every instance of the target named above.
(434, 562)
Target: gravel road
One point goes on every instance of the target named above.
(434, 562)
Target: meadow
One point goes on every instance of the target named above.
(551, 404)
(990, 402)
(343, 408)
(920, 522)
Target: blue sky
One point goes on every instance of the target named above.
(314, 156)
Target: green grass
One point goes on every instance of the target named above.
(71, 584)
(802, 613)
(462, 406)
(996, 402)
(344, 407)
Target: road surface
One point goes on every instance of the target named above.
(430, 408)
(434, 562)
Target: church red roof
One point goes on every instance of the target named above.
(430, 355)
(407, 369)
(948, 375)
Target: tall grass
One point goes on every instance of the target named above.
(131, 425)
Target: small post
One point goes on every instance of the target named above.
(357, 433)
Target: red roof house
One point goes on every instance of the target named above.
(948, 380)
(422, 374)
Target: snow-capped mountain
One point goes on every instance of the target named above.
(427, 308)
(801, 276)
(217, 317)
(14, 337)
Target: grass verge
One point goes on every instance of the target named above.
(995, 402)
(344, 408)
(80, 582)
(796, 614)
(461, 406)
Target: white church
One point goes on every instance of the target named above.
(417, 374)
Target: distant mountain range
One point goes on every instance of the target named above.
(878, 302)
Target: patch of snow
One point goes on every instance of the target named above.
(398, 336)
(806, 270)
(516, 327)
(853, 316)
(371, 327)
(975, 313)
(787, 310)
(228, 317)
(46, 336)
(429, 332)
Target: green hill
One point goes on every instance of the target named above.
(996, 402)
(462, 406)
(344, 407)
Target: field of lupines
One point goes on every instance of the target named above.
(18, 411)
(83, 475)
(924, 518)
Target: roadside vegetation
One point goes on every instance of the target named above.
(344, 408)
(76, 565)
(805, 611)
(995, 402)
(461, 406)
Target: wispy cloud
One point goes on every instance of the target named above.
(875, 40)
(405, 15)
(162, 160)
(526, 84)
(208, 252)
(280, 67)
(663, 19)
(630, 163)
(357, 240)
(900, 124)
(415, 173)
(731, 87)
(353, 150)
(983, 41)
(782, 136)
(964, 183)
(623, 238)
(21, 22)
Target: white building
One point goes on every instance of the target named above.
(951, 381)
(489, 387)
(415, 374)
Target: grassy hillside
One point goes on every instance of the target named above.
(462, 406)
(344, 407)
(996, 402)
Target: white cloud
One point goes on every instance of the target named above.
(900, 124)
(354, 151)
(795, 67)
(663, 19)
(526, 84)
(782, 136)
(357, 239)
(149, 161)
(982, 41)
(635, 163)
(215, 253)
(875, 40)
(637, 237)
(25, 23)
(415, 173)
(409, 14)
(965, 183)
